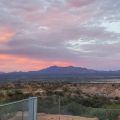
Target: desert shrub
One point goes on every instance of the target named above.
(102, 114)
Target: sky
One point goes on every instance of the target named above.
(35, 34)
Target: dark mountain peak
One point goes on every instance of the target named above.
(54, 66)
(70, 66)
(66, 70)
(65, 67)
(68, 73)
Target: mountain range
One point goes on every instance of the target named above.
(55, 73)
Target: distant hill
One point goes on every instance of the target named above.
(1, 72)
(56, 73)
(66, 70)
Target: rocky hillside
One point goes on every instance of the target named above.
(77, 89)
(101, 89)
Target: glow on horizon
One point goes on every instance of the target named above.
(14, 62)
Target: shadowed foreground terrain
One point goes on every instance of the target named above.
(86, 101)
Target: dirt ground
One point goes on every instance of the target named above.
(43, 116)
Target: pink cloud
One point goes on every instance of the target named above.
(5, 34)
(10, 63)
(79, 3)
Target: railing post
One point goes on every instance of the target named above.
(32, 108)
(59, 102)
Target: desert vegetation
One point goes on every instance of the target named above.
(77, 99)
(90, 95)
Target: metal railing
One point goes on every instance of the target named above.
(55, 108)
(20, 110)
(62, 108)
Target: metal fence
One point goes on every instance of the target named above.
(54, 108)
(63, 108)
(19, 110)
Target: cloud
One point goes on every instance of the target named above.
(5, 35)
(10, 63)
(76, 31)
(79, 3)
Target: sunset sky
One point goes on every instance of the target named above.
(35, 34)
